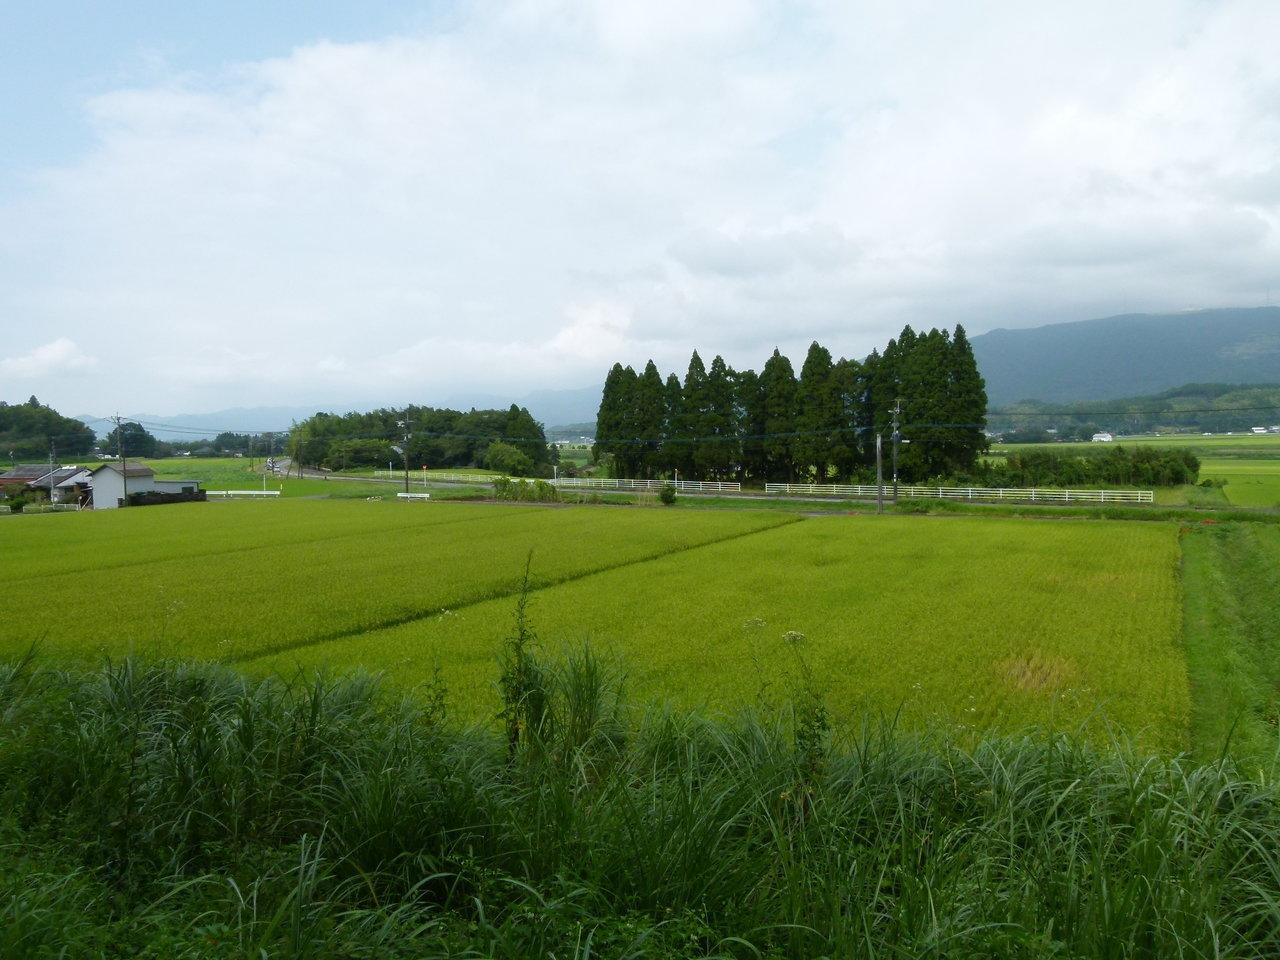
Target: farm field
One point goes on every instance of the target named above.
(233, 473)
(1249, 483)
(236, 593)
(1220, 445)
(972, 622)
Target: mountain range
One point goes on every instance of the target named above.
(550, 407)
(1130, 355)
(1108, 358)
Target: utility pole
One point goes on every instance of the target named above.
(266, 463)
(52, 452)
(897, 436)
(406, 424)
(124, 466)
(879, 476)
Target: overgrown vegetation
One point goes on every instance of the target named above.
(536, 491)
(1231, 579)
(179, 811)
(1107, 466)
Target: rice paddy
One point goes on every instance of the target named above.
(972, 623)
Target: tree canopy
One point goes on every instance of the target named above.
(726, 424)
(437, 438)
(28, 429)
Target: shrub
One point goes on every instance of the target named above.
(667, 494)
(505, 458)
(535, 491)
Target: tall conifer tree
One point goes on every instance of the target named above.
(694, 404)
(650, 415)
(815, 414)
(716, 455)
(778, 386)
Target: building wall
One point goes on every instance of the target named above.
(176, 486)
(108, 488)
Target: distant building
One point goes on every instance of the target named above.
(1102, 438)
(51, 483)
(24, 473)
(108, 484)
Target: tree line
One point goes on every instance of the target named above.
(820, 426)
(1112, 466)
(27, 429)
(508, 440)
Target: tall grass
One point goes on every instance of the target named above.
(178, 810)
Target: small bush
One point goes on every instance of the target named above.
(909, 505)
(536, 491)
(667, 494)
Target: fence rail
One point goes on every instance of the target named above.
(227, 494)
(570, 483)
(419, 477)
(1031, 494)
(695, 486)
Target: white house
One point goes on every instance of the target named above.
(109, 481)
(1102, 438)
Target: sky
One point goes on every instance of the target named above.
(206, 206)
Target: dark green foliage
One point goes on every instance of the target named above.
(1112, 466)
(717, 452)
(667, 494)
(650, 415)
(507, 459)
(27, 429)
(819, 418)
(722, 424)
(440, 438)
(180, 811)
(529, 491)
(778, 382)
(131, 439)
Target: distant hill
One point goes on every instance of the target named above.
(1216, 407)
(1130, 355)
(549, 407)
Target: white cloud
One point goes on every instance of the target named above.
(56, 358)
(551, 185)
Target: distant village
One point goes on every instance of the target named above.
(106, 486)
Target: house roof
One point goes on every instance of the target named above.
(59, 475)
(127, 471)
(79, 477)
(25, 472)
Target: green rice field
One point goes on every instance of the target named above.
(1249, 483)
(974, 623)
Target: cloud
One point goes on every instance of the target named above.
(56, 358)
(548, 186)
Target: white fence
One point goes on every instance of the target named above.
(413, 496)
(419, 477)
(986, 494)
(694, 486)
(227, 494)
(575, 483)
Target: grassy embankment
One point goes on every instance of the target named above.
(185, 813)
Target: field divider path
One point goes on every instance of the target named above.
(436, 610)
